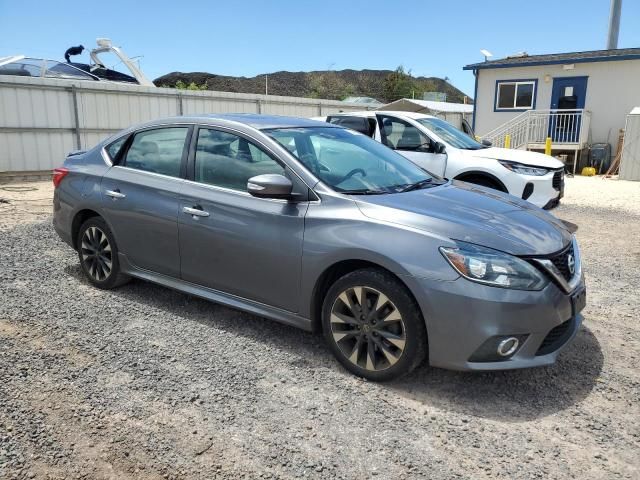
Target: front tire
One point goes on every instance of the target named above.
(98, 254)
(483, 181)
(373, 325)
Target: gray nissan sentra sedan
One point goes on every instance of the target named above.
(325, 229)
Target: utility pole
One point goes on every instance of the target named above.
(614, 24)
(266, 84)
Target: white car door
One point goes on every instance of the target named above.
(409, 141)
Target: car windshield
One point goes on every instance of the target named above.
(450, 134)
(350, 162)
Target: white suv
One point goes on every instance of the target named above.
(442, 149)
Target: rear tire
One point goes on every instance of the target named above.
(98, 255)
(373, 326)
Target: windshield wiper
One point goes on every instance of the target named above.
(417, 185)
(363, 192)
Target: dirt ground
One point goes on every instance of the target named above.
(144, 382)
(24, 202)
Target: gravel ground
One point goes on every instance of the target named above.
(144, 382)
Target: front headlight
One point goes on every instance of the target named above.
(491, 267)
(524, 169)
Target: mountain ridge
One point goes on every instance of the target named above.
(383, 85)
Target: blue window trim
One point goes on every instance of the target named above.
(535, 95)
(476, 74)
(562, 61)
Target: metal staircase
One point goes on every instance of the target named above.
(567, 129)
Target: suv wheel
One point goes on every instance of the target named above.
(373, 325)
(99, 255)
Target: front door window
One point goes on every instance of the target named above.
(229, 161)
(401, 135)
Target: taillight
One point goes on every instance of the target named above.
(58, 175)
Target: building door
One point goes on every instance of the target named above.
(567, 100)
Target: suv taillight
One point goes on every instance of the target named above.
(58, 175)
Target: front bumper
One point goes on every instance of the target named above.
(462, 316)
(543, 191)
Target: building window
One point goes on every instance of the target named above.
(515, 94)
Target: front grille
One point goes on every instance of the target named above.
(557, 179)
(557, 337)
(561, 262)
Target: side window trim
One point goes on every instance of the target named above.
(310, 195)
(191, 159)
(122, 154)
(124, 147)
(193, 149)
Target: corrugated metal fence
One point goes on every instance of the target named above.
(41, 119)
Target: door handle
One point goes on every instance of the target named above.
(196, 212)
(114, 194)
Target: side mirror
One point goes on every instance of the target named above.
(270, 186)
(486, 143)
(439, 148)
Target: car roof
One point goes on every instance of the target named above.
(257, 121)
(372, 113)
(408, 114)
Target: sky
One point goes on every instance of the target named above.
(250, 37)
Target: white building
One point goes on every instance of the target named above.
(576, 99)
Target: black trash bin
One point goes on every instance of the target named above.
(600, 157)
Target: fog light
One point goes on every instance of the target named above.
(508, 346)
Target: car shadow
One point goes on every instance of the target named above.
(513, 395)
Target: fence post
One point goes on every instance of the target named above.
(180, 106)
(547, 146)
(76, 116)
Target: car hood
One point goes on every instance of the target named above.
(474, 214)
(515, 155)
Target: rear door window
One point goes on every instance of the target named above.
(158, 151)
(359, 124)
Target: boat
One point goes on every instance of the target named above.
(21, 65)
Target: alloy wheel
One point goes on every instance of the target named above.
(96, 253)
(368, 328)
